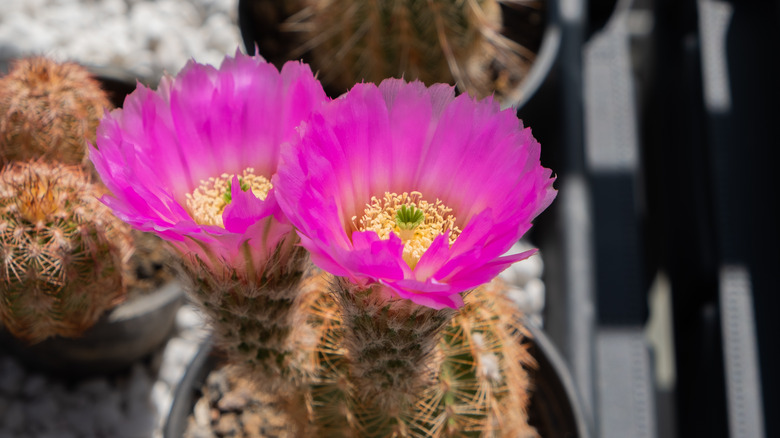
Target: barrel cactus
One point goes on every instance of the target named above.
(49, 111)
(62, 253)
(450, 41)
(477, 377)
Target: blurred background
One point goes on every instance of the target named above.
(658, 117)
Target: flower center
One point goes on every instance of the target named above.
(416, 221)
(208, 201)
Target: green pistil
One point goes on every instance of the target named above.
(409, 217)
(227, 196)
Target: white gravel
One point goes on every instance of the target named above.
(145, 37)
(132, 405)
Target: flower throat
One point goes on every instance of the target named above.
(416, 221)
(207, 202)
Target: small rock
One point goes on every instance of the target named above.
(188, 317)
(535, 290)
(177, 355)
(4, 404)
(11, 376)
(95, 388)
(233, 401)
(228, 425)
(45, 411)
(139, 385)
(108, 415)
(196, 431)
(139, 424)
(55, 434)
(217, 384)
(161, 398)
(202, 413)
(519, 297)
(80, 420)
(14, 419)
(35, 386)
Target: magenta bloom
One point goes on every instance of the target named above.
(413, 188)
(193, 160)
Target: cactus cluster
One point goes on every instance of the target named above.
(475, 375)
(471, 382)
(49, 111)
(62, 252)
(452, 41)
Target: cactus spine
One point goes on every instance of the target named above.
(450, 41)
(62, 252)
(473, 382)
(257, 316)
(48, 111)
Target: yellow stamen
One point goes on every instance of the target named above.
(382, 216)
(208, 201)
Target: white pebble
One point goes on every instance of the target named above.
(161, 398)
(11, 376)
(95, 388)
(177, 355)
(34, 386)
(188, 317)
(44, 411)
(14, 418)
(536, 294)
(139, 385)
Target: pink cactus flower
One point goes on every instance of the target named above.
(414, 189)
(193, 160)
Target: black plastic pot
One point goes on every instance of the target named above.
(555, 409)
(259, 25)
(123, 336)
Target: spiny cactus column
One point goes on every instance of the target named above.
(48, 110)
(477, 382)
(390, 344)
(451, 41)
(257, 318)
(62, 252)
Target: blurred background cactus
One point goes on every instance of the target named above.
(62, 252)
(48, 111)
(462, 42)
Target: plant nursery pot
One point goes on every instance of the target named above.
(555, 408)
(121, 337)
